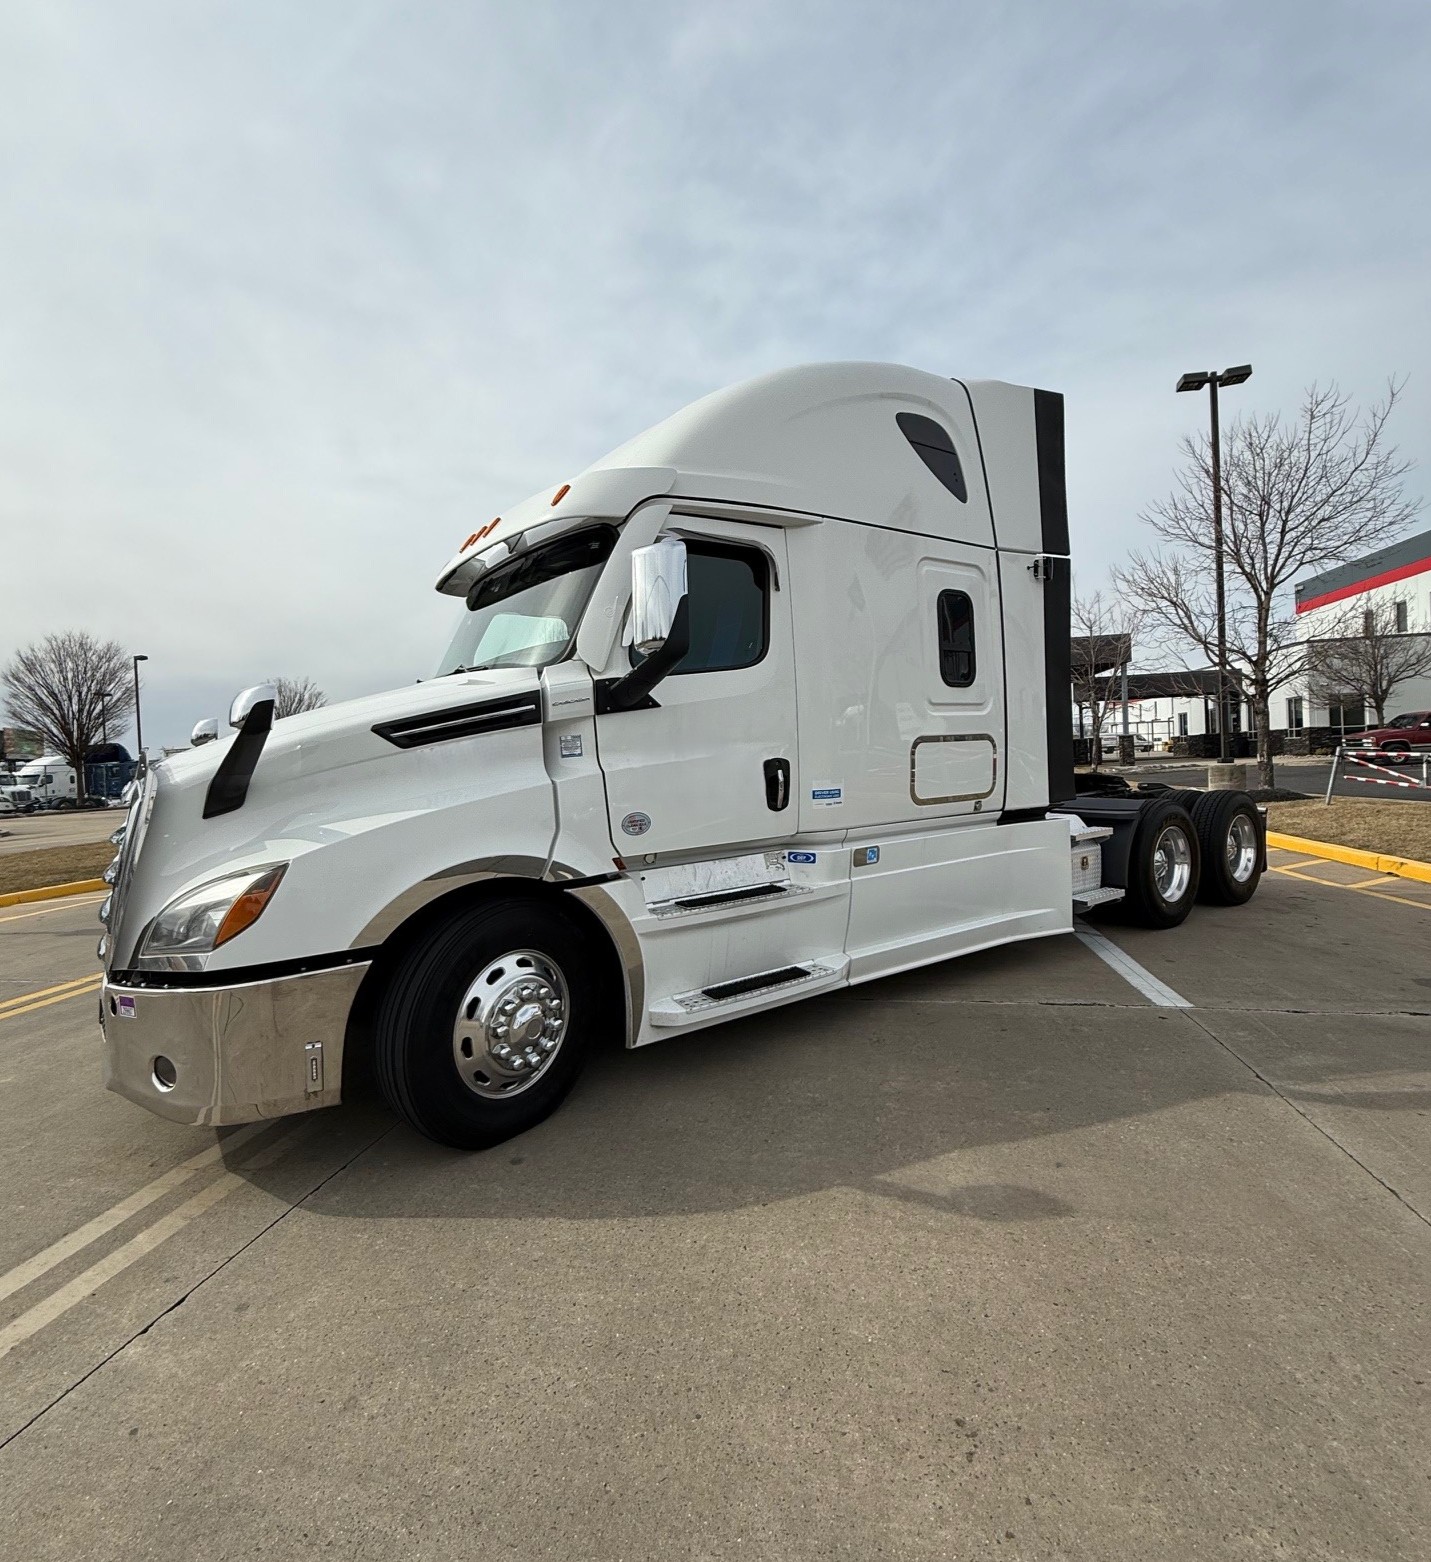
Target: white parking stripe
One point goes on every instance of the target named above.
(31, 1270)
(1128, 968)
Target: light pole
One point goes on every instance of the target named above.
(1192, 382)
(138, 724)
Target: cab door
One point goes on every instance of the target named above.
(709, 765)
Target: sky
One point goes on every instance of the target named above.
(296, 295)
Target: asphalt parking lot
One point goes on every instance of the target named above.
(1298, 775)
(1036, 1254)
(61, 827)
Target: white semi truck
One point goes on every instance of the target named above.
(42, 782)
(770, 701)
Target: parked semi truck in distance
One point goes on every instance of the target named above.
(770, 701)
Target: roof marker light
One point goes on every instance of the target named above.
(478, 535)
(561, 493)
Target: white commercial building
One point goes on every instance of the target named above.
(1392, 588)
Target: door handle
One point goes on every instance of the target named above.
(777, 784)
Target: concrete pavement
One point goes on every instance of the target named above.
(995, 1258)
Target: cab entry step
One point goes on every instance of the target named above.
(753, 984)
(749, 992)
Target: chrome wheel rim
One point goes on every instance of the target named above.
(1172, 863)
(1241, 848)
(510, 1025)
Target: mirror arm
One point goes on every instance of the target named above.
(632, 691)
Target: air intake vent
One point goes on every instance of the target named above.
(462, 721)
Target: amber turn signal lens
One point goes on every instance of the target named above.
(561, 493)
(247, 909)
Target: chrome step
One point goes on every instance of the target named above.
(1087, 899)
(746, 992)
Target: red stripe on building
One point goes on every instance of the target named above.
(1402, 572)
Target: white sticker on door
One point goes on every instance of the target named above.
(827, 794)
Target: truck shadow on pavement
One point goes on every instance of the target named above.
(866, 1089)
(856, 1090)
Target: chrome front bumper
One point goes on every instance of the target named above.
(217, 1055)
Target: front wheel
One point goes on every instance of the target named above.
(485, 1026)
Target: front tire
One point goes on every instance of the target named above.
(486, 1024)
(1164, 862)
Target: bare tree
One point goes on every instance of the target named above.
(1363, 653)
(296, 695)
(1103, 634)
(68, 688)
(1297, 495)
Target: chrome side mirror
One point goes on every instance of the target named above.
(244, 702)
(658, 587)
(205, 731)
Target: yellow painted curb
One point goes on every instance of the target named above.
(20, 897)
(1378, 862)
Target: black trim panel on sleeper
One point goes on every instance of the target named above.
(1057, 588)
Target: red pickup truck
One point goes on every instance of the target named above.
(1401, 735)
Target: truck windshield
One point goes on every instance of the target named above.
(525, 612)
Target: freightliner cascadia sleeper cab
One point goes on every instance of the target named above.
(772, 700)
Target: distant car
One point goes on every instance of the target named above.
(1109, 747)
(1401, 735)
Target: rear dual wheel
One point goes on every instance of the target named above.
(1164, 863)
(1229, 831)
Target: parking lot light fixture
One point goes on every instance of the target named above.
(1195, 380)
(138, 723)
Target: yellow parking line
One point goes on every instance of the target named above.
(45, 992)
(84, 1285)
(70, 1244)
(18, 1006)
(1401, 900)
(49, 911)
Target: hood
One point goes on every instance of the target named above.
(327, 779)
(333, 736)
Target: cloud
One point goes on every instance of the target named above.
(295, 295)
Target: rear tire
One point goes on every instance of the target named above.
(486, 1024)
(1163, 866)
(1229, 831)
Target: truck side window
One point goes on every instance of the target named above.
(955, 611)
(728, 588)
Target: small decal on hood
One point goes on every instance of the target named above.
(124, 1007)
(636, 824)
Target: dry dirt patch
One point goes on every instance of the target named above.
(1403, 829)
(54, 865)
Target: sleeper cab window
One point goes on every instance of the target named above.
(955, 612)
(728, 588)
(935, 449)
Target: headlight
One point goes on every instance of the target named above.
(199, 922)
